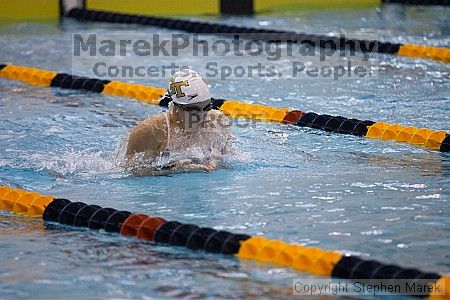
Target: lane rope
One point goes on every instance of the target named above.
(310, 260)
(323, 41)
(428, 138)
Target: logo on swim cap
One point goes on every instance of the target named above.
(175, 88)
(188, 87)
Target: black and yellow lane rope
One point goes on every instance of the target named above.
(432, 139)
(310, 260)
(323, 41)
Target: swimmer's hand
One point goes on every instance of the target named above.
(181, 166)
(189, 166)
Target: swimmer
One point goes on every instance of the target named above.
(188, 137)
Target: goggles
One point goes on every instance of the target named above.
(196, 108)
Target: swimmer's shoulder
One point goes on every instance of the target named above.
(148, 136)
(158, 122)
(216, 116)
(215, 112)
(154, 125)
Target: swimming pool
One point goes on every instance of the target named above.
(373, 198)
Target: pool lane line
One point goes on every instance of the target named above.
(323, 41)
(310, 260)
(428, 138)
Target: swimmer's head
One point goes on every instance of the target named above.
(188, 90)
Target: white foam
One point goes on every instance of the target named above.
(85, 162)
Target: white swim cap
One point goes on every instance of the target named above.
(187, 87)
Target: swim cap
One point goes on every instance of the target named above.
(187, 87)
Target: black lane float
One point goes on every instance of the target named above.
(269, 35)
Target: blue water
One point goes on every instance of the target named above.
(381, 200)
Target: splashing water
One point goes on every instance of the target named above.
(83, 162)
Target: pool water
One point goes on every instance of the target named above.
(384, 200)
